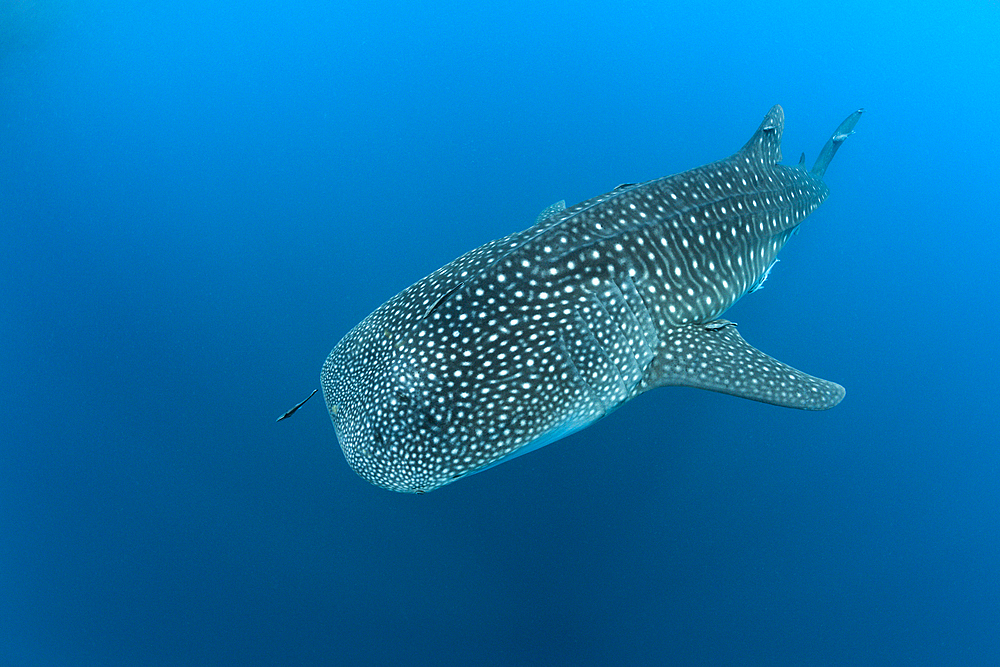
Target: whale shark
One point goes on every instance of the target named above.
(534, 336)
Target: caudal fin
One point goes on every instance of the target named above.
(845, 130)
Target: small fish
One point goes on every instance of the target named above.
(292, 411)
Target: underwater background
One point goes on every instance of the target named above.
(198, 199)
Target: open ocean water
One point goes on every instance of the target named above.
(198, 199)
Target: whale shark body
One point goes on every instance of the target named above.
(534, 336)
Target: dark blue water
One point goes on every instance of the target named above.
(198, 200)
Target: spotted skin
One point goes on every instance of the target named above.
(539, 334)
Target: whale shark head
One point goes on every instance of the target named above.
(392, 414)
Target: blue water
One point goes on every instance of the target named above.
(197, 200)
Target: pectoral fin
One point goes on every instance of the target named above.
(714, 356)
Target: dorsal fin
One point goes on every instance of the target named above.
(764, 146)
(552, 210)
